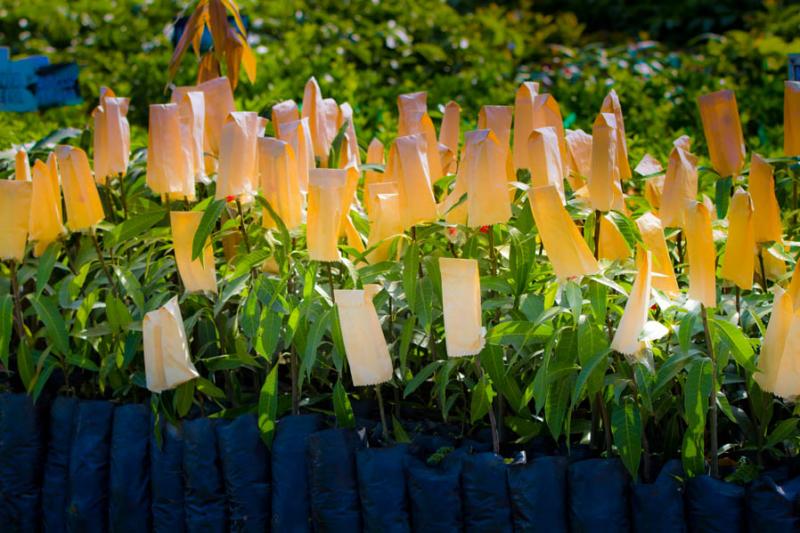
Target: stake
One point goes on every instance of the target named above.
(383, 412)
(103, 262)
(18, 321)
(597, 215)
(713, 398)
(241, 226)
(492, 420)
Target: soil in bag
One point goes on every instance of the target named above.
(487, 505)
(204, 491)
(714, 506)
(773, 504)
(21, 457)
(382, 489)
(129, 487)
(658, 507)
(290, 495)
(335, 505)
(55, 484)
(166, 479)
(434, 492)
(246, 470)
(598, 496)
(538, 490)
(87, 508)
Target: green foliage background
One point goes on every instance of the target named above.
(368, 52)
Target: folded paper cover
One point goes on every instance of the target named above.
(385, 224)
(461, 303)
(322, 116)
(611, 105)
(166, 349)
(449, 133)
(723, 130)
(192, 112)
(579, 158)
(364, 343)
(170, 168)
(523, 121)
(22, 167)
(497, 118)
(605, 190)
(238, 169)
(218, 103)
(409, 167)
(197, 275)
(702, 255)
(653, 236)
(680, 186)
(279, 183)
(486, 179)
(547, 114)
(545, 160)
(112, 136)
(298, 134)
(15, 204)
(654, 185)
(791, 118)
(325, 193)
(738, 261)
(568, 252)
(767, 212)
(284, 112)
(626, 339)
(414, 119)
(81, 198)
(45, 214)
(613, 245)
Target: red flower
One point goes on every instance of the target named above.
(230, 198)
(452, 231)
(484, 229)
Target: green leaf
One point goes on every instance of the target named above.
(482, 396)
(47, 311)
(400, 434)
(406, 335)
(411, 274)
(270, 333)
(26, 365)
(518, 332)
(696, 392)
(596, 366)
(46, 263)
(6, 326)
(626, 426)
(574, 299)
(421, 377)
(184, 394)
(134, 227)
(206, 226)
(722, 195)
(685, 330)
(739, 345)
(209, 389)
(117, 313)
(342, 408)
(785, 430)
(627, 228)
(268, 407)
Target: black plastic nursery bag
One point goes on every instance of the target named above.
(56, 467)
(435, 495)
(21, 456)
(166, 480)
(487, 506)
(714, 506)
(87, 508)
(773, 505)
(658, 507)
(129, 487)
(335, 505)
(382, 489)
(246, 470)
(204, 491)
(598, 496)
(291, 510)
(538, 491)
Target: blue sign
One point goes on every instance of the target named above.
(32, 83)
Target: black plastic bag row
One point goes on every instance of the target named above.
(21, 457)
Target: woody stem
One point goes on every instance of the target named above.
(18, 321)
(763, 270)
(103, 262)
(123, 198)
(713, 399)
(492, 420)
(597, 215)
(384, 427)
(242, 227)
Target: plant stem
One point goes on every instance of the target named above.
(109, 200)
(292, 350)
(242, 227)
(763, 270)
(492, 420)
(680, 246)
(330, 281)
(384, 427)
(738, 300)
(103, 262)
(18, 321)
(493, 265)
(597, 215)
(713, 398)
